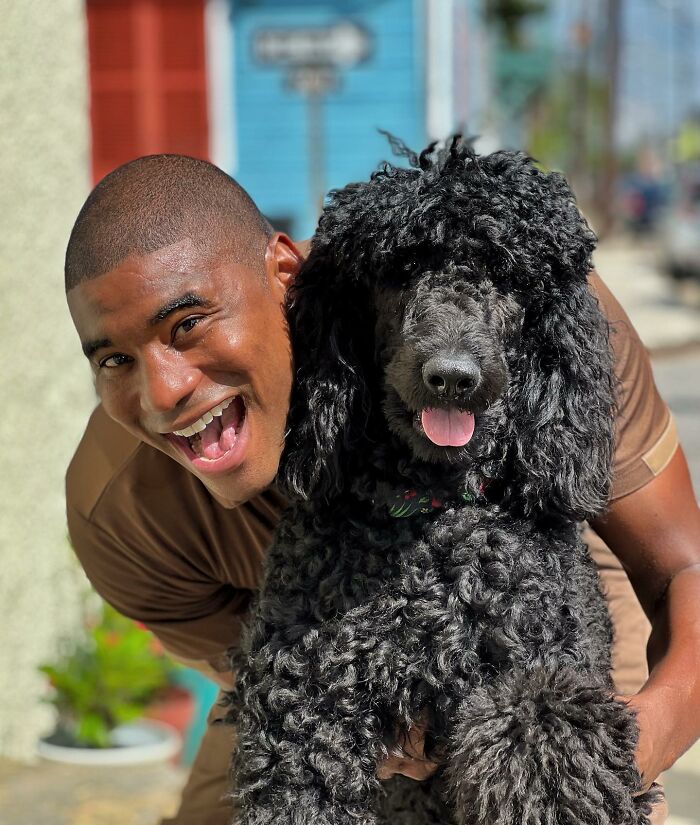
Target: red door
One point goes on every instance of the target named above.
(148, 86)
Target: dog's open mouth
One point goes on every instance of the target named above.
(449, 427)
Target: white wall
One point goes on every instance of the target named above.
(44, 385)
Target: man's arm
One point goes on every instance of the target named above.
(655, 532)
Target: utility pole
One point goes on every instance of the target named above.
(608, 172)
(312, 58)
(578, 158)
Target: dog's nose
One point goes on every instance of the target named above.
(451, 375)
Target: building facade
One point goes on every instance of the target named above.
(287, 95)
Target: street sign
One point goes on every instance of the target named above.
(313, 80)
(341, 45)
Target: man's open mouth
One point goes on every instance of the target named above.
(213, 435)
(445, 427)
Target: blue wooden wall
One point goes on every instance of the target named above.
(387, 91)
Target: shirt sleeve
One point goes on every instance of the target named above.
(158, 547)
(193, 615)
(645, 432)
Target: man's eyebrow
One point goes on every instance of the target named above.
(189, 299)
(91, 347)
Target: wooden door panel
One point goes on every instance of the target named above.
(148, 84)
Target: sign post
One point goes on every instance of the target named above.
(311, 57)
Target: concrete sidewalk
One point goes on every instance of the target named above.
(682, 784)
(52, 794)
(666, 316)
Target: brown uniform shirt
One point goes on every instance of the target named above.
(157, 546)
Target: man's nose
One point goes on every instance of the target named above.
(167, 381)
(451, 375)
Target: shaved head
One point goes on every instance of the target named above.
(155, 201)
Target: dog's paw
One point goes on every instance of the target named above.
(545, 746)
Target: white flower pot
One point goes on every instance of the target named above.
(132, 744)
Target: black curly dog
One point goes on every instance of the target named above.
(451, 424)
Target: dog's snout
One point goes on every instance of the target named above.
(451, 375)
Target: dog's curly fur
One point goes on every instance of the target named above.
(481, 618)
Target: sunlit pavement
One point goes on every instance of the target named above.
(683, 789)
(49, 794)
(665, 315)
(678, 379)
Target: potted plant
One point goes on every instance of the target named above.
(100, 685)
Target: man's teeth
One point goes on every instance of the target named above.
(201, 423)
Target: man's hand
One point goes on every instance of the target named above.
(409, 759)
(650, 761)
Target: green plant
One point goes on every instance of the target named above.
(105, 678)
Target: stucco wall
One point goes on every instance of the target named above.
(46, 389)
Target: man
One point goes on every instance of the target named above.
(176, 286)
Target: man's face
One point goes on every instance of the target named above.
(191, 354)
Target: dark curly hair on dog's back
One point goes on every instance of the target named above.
(500, 218)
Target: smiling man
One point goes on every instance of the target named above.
(184, 324)
(176, 285)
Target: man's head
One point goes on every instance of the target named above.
(176, 285)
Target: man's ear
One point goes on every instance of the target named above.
(304, 247)
(283, 259)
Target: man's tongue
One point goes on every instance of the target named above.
(448, 428)
(218, 437)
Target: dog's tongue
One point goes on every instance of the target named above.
(448, 428)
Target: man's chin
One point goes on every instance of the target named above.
(223, 476)
(237, 476)
(232, 491)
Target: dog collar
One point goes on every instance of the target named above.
(411, 502)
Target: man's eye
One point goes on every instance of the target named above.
(116, 360)
(187, 325)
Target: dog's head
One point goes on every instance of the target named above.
(441, 348)
(450, 300)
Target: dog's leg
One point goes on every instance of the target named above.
(304, 777)
(305, 746)
(545, 747)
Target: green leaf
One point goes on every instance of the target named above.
(93, 730)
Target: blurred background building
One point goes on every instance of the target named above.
(289, 96)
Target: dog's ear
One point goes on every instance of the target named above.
(331, 334)
(560, 405)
